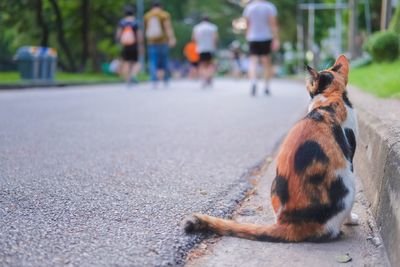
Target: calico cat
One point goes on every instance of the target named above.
(313, 192)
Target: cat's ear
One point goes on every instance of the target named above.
(312, 73)
(341, 65)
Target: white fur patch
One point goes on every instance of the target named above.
(318, 98)
(333, 225)
(351, 120)
(352, 219)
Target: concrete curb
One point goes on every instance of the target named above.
(377, 163)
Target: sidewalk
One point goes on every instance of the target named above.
(361, 243)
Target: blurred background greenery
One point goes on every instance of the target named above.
(83, 32)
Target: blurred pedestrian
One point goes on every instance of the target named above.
(131, 38)
(191, 54)
(160, 36)
(205, 34)
(236, 65)
(263, 38)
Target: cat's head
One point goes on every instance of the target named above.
(330, 80)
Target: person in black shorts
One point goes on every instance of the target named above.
(262, 35)
(206, 57)
(131, 39)
(260, 48)
(205, 34)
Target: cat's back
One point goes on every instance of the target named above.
(311, 141)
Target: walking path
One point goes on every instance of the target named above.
(102, 175)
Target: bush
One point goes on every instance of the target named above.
(383, 46)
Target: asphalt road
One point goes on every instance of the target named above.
(103, 175)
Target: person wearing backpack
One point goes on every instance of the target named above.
(131, 39)
(160, 36)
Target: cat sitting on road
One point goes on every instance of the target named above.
(313, 192)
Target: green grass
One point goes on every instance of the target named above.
(62, 77)
(86, 77)
(9, 77)
(380, 79)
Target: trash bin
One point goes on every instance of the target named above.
(37, 63)
(52, 61)
(47, 63)
(28, 62)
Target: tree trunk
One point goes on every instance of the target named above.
(94, 55)
(386, 12)
(85, 13)
(42, 23)
(61, 38)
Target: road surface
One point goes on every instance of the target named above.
(103, 175)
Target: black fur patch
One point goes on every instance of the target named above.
(316, 178)
(325, 79)
(346, 100)
(351, 140)
(317, 212)
(324, 238)
(308, 152)
(329, 109)
(280, 188)
(341, 140)
(267, 238)
(315, 115)
(192, 225)
(337, 191)
(337, 67)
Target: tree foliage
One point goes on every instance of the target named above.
(83, 31)
(395, 22)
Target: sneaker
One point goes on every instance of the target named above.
(267, 92)
(166, 84)
(128, 84)
(209, 83)
(253, 90)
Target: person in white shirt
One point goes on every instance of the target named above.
(262, 36)
(205, 34)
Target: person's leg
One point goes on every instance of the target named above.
(202, 69)
(152, 53)
(192, 73)
(206, 73)
(134, 71)
(194, 70)
(267, 71)
(122, 70)
(129, 73)
(160, 70)
(164, 62)
(209, 71)
(252, 73)
(125, 70)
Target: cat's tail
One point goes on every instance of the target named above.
(269, 233)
